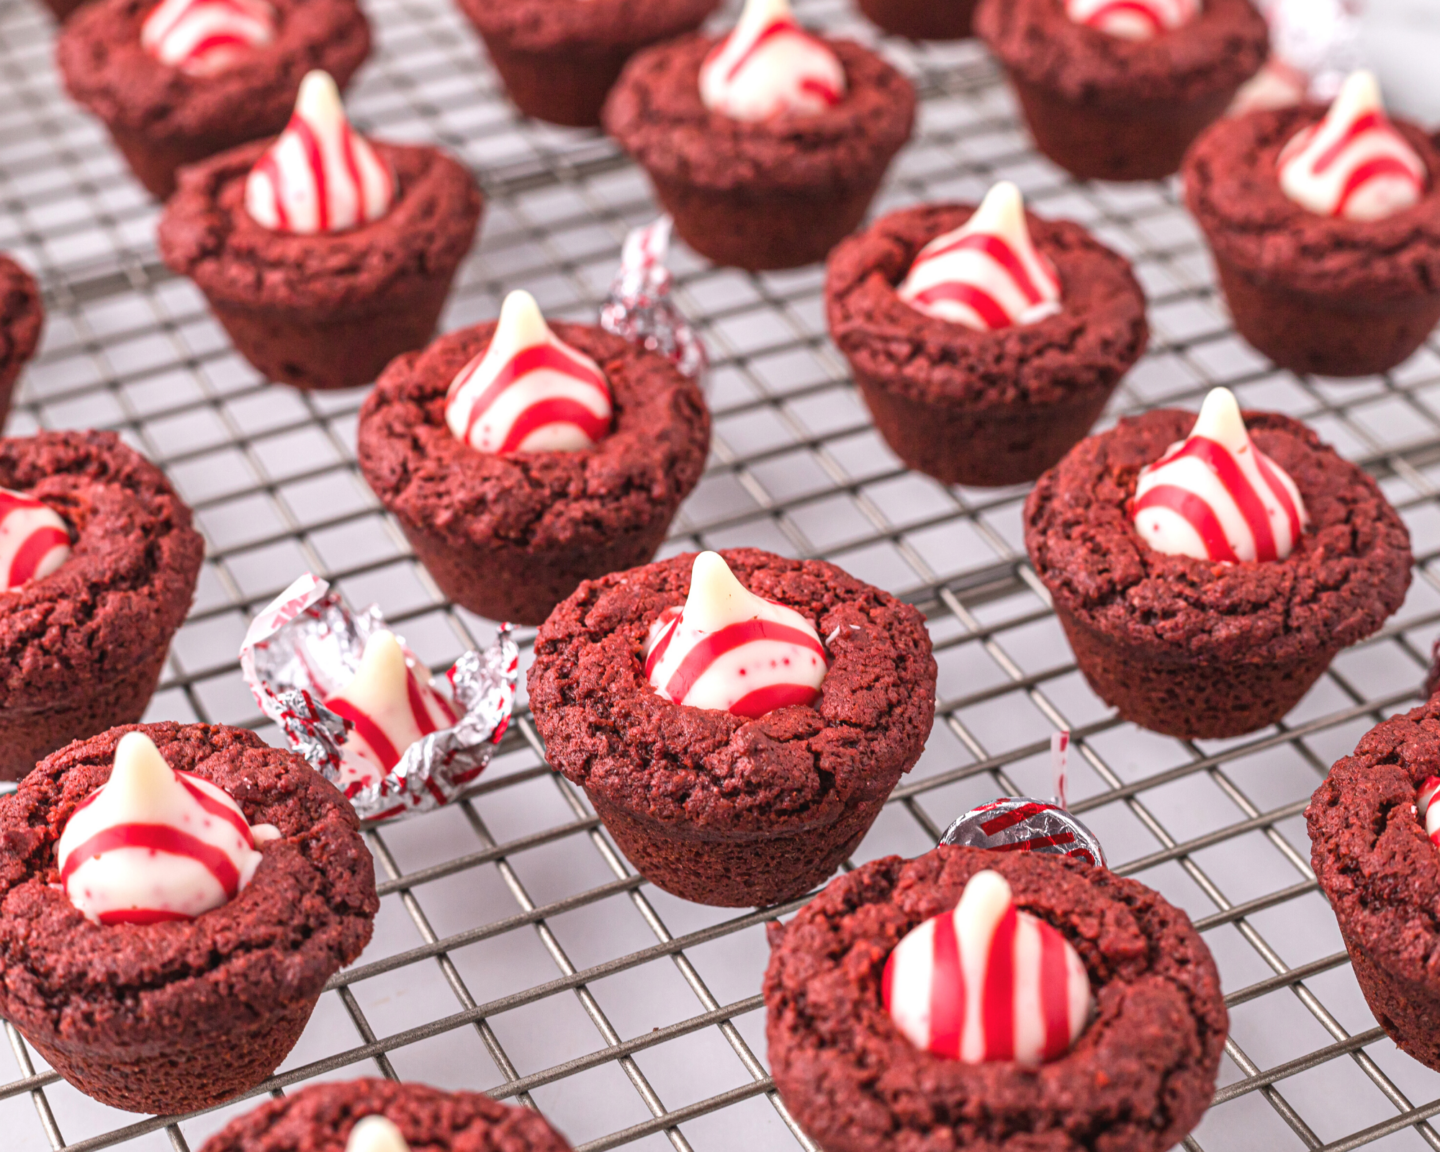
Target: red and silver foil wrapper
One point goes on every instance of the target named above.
(1314, 45)
(306, 645)
(640, 308)
(1019, 824)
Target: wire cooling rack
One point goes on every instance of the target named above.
(515, 951)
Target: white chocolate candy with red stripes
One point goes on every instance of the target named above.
(986, 274)
(1133, 19)
(1428, 810)
(988, 982)
(1353, 164)
(203, 37)
(376, 1134)
(529, 391)
(770, 66)
(391, 704)
(732, 651)
(1215, 496)
(34, 540)
(320, 175)
(154, 844)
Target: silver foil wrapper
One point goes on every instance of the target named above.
(1021, 824)
(306, 645)
(640, 307)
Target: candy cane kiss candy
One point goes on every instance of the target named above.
(154, 844)
(986, 274)
(988, 982)
(319, 175)
(529, 391)
(203, 37)
(376, 1134)
(1353, 164)
(1215, 496)
(391, 704)
(770, 66)
(1428, 810)
(1133, 19)
(732, 651)
(34, 540)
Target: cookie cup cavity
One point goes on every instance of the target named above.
(160, 118)
(921, 19)
(1381, 874)
(510, 535)
(1107, 108)
(559, 61)
(329, 310)
(81, 650)
(982, 408)
(181, 1015)
(774, 194)
(320, 1118)
(1313, 293)
(22, 316)
(1137, 1080)
(1198, 648)
(716, 808)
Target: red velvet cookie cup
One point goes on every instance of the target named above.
(776, 193)
(161, 118)
(182, 1014)
(1106, 108)
(319, 1118)
(509, 535)
(328, 310)
(1314, 293)
(559, 59)
(82, 649)
(982, 408)
(22, 316)
(713, 807)
(1202, 649)
(1137, 1080)
(921, 19)
(1381, 874)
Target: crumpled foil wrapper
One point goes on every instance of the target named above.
(1021, 824)
(640, 308)
(1314, 45)
(307, 644)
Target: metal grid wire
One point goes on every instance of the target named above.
(516, 951)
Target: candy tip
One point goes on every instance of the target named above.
(376, 1133)
(138, 763)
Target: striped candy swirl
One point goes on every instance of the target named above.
(1215, 496)
(319, 176)
(1428, 810)
(203, 37)
(986, 274)
(1353, 164)
(529, 391)
(154, 844)
(1133, 19)
(770, 66)
(389, 706)
(732, 651)
(987, 982)
(34, 540)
